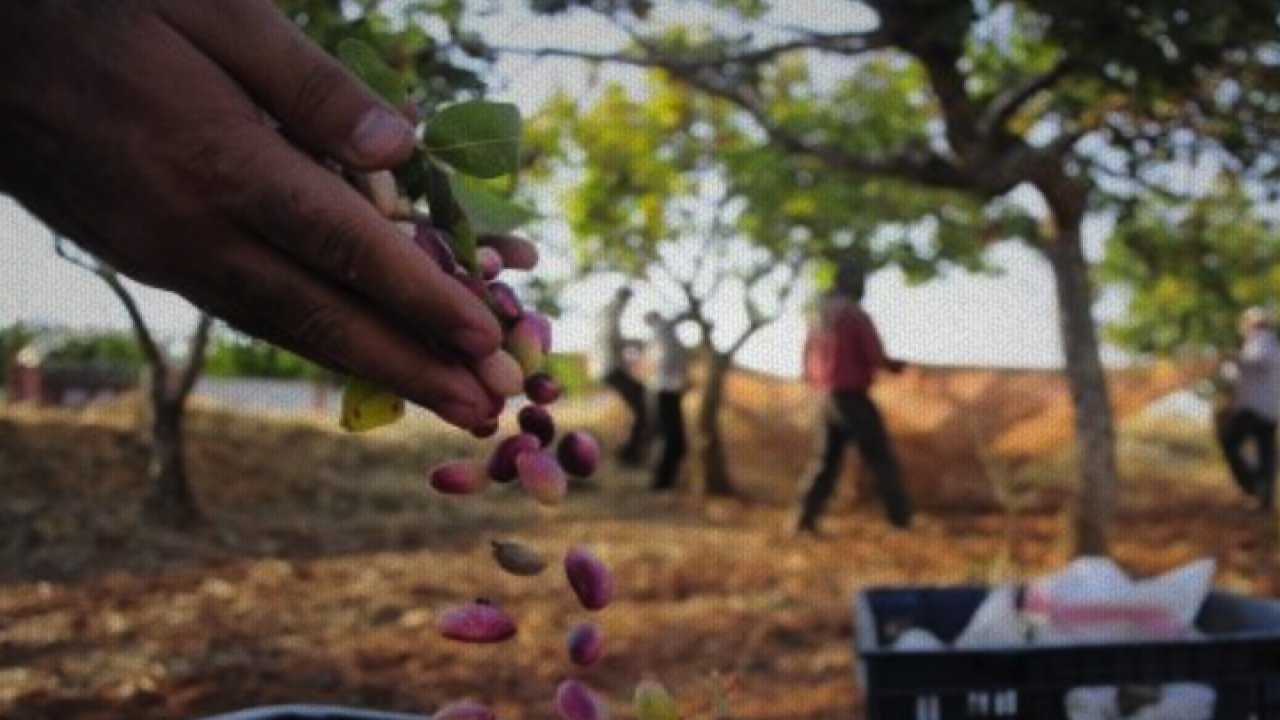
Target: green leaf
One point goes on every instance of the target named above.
(368, 65)
(489, 211)
(448, 215)
(366, 406)
(478, 138)
(463, 243)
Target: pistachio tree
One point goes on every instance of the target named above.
(665, 183)
(1062, 105)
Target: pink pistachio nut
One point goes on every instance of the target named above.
(576, 701)
(542, 389)
(590, 579)
(578, 453)
(432, 242)
(489, 262)
(542, 327)
(476, 622)
(486, 429)
(505, 304)
(518, 559)
(502, 461)
(541, 477)
(459, 477)
(536, 420)
(586, 644)
(524, 341)
(464, 710)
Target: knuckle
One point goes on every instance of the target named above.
(323, 328)
(318, 86)
(337, 249)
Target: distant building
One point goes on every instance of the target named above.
(31, 378)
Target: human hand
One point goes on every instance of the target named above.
(181, 142)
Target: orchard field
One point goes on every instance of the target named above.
(325, 557)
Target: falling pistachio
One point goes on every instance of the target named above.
(517, 559)
(541, 477)
(476, 622)
(578, 453)
(502, 461)
(589, 578)
(536, 420)
(586, 644)
(542, 389)
(652, 701)
(459, 477)
(576, 701)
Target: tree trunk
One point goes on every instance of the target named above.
(710, 442)
(171, 501)
(1095, 430)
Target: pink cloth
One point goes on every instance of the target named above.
(843, 349)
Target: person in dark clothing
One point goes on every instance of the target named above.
(611, 366)
(842, 353)
(669, 382)
(1251, 417)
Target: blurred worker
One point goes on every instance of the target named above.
(842, 353)
(1252, 415)
(611, 364)
(669, 381)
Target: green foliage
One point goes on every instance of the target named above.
(490, 211)
(113, 347)
(1192, 269)
(242, 356)
(419, 41)
(480, 139)
(12, 339)
(368, 65)
(570, 370)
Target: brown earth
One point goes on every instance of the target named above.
(325, 559)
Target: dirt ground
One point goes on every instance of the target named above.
(325, 558)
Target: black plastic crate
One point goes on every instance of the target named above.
(1239, 657)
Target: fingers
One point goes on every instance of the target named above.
(312, 95)
(517, 253)
(320, 222)
(279, 301)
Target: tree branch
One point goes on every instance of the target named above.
(651, 55)
(1009, 102)
(146, 341)
(759, 318)
(195, 356)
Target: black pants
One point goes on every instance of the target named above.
(851, 416)
(1242, 426)
(674, 443)
(632, 391)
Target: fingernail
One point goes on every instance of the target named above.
(379, 134)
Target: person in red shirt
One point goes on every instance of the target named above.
(842, 354)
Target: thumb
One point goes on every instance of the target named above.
(318, 101)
